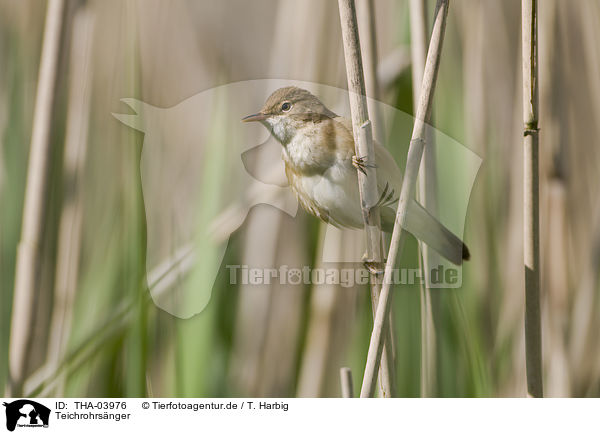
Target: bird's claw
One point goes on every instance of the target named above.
(374, 267)
(361, 164)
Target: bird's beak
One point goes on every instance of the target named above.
(255, 117)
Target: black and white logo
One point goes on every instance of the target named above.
(26, 413)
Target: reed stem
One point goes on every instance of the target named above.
(533, 329)
(426, 193)
(415, 152)
(367, 183)
(71, 220)
(346, 382)
(26, 291)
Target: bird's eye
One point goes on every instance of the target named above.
(286, 106)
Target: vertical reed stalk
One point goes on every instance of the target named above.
(366, 21)
(26, 291)
(426, 193)
(415, 152)
(367, 183)
(533, 330)
(322, 334)
(367, 27)
(346, 381)
(69, 236)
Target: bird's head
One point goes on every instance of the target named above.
(288, 110)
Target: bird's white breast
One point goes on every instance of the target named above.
(337, 192)
(304, 153)
(332, 193)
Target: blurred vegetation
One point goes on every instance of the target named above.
(291, 341)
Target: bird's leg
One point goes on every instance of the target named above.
(361, 163)
(375, 268)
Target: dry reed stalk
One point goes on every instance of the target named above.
(268, 320)
(366, 21)
(426, 193)
(367, 28)
(320, 339)
(413, 162)
(367, 183)
(330, 312)
(582, 338)
(26, 290)
(555, 264)
(69, 237)
(346, 382)
(533, 331)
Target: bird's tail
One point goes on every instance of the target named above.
(429, 230)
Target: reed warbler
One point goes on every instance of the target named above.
(321, 167)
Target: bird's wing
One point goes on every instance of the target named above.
(346, 123)
(419, 221)
(428, 229)
(344, 136)
(389, 176)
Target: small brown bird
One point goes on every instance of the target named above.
(320, 164)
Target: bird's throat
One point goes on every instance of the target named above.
(281, 128)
